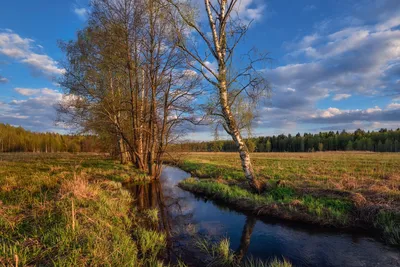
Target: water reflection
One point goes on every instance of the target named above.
(151, 196)
(175, 214)
(184, 217)
(246, 236)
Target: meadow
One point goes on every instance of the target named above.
(64, 209)
(71, 210)
(339, 189)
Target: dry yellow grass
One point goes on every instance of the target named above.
(376, 176)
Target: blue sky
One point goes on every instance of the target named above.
(335, 64)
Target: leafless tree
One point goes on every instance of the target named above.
(235, 85)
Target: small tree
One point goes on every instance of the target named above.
(268, 145)
(320, 147)
(349, 146)
(302, 144)
(381, 147)
(388, 145)
(251, 145)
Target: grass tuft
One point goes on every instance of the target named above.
(220, 254)
(389, 223)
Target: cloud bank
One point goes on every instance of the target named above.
(22, 49)
(35, 111)
(348, 57)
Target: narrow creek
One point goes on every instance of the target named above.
(185, 217)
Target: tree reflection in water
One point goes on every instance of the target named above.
(150, 196)
(245, 239)
(174, 213)
(185, 218)
(175, 217)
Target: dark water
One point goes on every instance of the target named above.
(185, 217)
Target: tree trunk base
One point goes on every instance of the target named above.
(258, 186)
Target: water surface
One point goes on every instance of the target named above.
(185, 217)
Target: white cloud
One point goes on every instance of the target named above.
(250, 10)
(394, 106)
(81, 12)
(339, 97)
(211, 65)
(330, 112)
(336, 116)
(3, 79)
(39, 92)
(26, 91)
(345, 58)
(53, 96)
(308, 40)
(352, 59)
(43, 63)
(374, 109)
(36, 111)
(17, 102)
(189, 73)
(14, 46)
(389, 24)
(245, 10)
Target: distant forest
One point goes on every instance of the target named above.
(382, 141)
(17, 139)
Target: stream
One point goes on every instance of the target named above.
(185, 217)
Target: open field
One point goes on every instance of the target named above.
(332, 188)
(62, 209)
(71, 210)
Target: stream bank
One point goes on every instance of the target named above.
(187, 216)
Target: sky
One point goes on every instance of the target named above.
(334, 64)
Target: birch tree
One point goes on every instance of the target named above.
(231, 82)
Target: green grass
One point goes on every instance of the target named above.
(323, 210)
(72, 210)
(151, 243)
(333, 188)
(67, 210)
(210, 170)
(220, 254)
(389, 222)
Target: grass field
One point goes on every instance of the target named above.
(66, 209)
(333, 188)
(71, 210)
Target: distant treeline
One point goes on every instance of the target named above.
(17, 139)
(382, 141)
